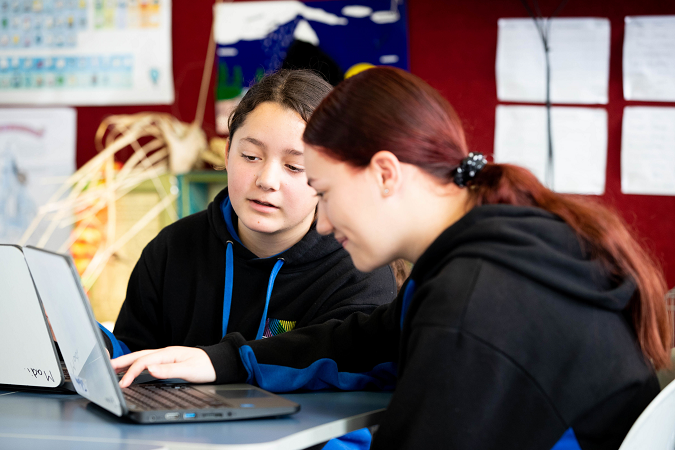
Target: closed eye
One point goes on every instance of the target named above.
(249, 157)
(295, 169)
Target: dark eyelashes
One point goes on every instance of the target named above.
(288, 166)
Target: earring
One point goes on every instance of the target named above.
(386, 191)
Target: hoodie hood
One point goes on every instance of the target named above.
(308, 250)
(532, 242)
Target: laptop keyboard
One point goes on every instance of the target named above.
(169, 396)
(66, 375)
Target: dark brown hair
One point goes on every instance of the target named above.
(387, 108)
(298, 90)
(301, 91)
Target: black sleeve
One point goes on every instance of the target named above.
(139, 322)
(354, 291)
(358, 353)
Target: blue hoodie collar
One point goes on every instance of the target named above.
(226, 208)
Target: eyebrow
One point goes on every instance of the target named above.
(257, 143)
(253, 141)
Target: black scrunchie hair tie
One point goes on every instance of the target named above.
(468, 168)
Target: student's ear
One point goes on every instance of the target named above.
(227, 152)
(387, 169)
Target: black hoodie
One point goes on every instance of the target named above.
(506, 335)
(176, 292)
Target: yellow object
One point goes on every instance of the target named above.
(109, 291)
(357, 68)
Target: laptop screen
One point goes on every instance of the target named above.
(27, 353)
(76, 331)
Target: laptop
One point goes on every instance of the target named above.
(82, 347)
(29, 356)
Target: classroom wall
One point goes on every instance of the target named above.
(452, 46)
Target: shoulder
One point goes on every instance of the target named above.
(188, 228)
(442, 298)
(183, 238)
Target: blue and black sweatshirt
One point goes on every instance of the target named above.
(506, 335)
(196, 280)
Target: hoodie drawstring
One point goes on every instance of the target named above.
(270, 285)
(229, 281)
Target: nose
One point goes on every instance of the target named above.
(269, 178)
(323, 225)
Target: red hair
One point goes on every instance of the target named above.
(390, 109)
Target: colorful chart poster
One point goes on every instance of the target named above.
(37, 155)
(337, 38)
(85, 52)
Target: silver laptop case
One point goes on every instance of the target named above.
(27, 351)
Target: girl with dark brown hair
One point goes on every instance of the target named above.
(252, 262)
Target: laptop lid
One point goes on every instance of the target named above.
(27, 350)
(74, 325)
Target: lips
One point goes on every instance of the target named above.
(342, 241)
(263, 203)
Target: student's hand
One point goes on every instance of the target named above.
(190, 364)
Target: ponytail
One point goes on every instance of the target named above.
(606, 236)
(388, 108)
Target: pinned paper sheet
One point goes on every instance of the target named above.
(649, 58)
(648, 151)
(579, 145)
(579, 59)
(37, 154)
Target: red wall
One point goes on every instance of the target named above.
(452, 46)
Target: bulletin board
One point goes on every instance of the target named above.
(453, 47)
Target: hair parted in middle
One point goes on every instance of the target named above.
(297, 90)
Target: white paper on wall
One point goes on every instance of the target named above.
(649, 58)
(648, 151)
(37, 154)
(86, 52)
(579, 59)
(579, 145)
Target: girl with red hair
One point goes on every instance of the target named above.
(531, 319)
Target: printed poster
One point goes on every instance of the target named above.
(337, 38)
(85, 52)
(37, 154)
